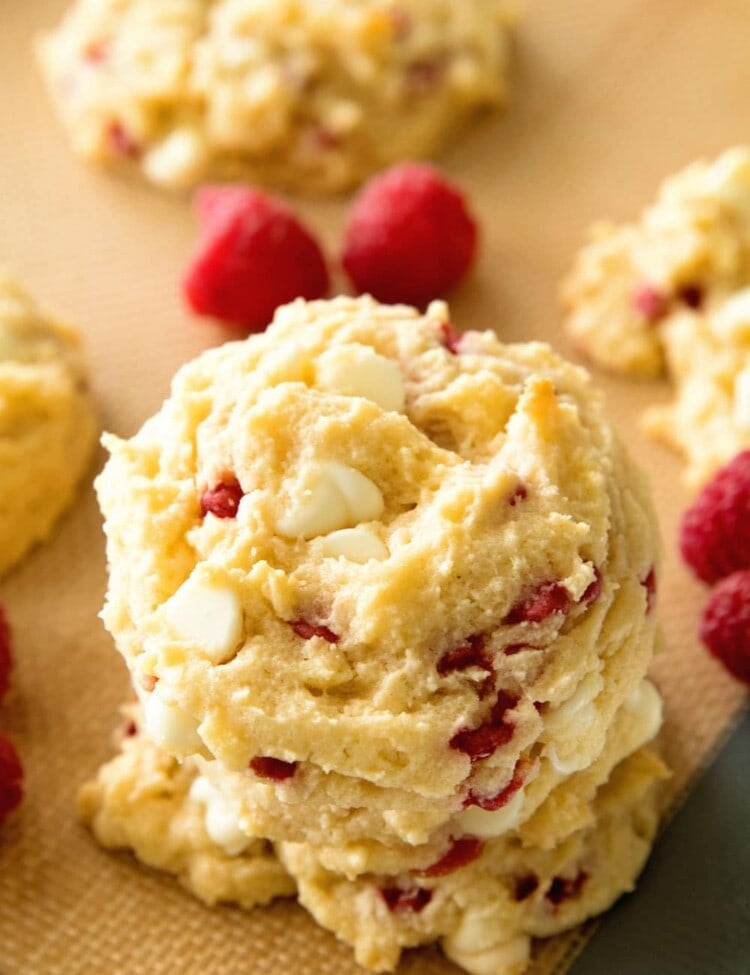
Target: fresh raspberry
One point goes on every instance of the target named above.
(409, 236)
(6, 656)
(11, 778)
(275, 769)
(715, 531)
(725, 624)
(252, 255)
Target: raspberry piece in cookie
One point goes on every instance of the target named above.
(725, 624)
(11, 778)
(6, 655)
(253, 254)
(410, 236)
(715, 531)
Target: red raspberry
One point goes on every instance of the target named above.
(6, 656)
(409, 237)
(725, 624)
(307, 631)
(715, 531)
(275, 769)
(525, 886)
(563, 888)
(413, 899)
(481, 742)
(252, 255)
(223, 499)
(464, 850)
(548, 599)
(11, 778)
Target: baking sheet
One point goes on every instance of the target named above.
(607, 99)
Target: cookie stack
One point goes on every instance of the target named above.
(387, 592)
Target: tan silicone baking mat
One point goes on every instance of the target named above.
(607, 98)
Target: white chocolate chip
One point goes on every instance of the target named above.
(362, 496)
(487, 824)
(355, 544)
(509, 958)
(562, 721)
(170, 727)
(321, 507)
(331, 496)
(179, 161)
(645, 702)
(357, 370)
(221, 824)
(208, 616)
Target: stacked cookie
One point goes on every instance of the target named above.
(387, 591)
(671, 293)
(310, 94)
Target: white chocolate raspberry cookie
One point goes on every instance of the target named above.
(146, 801)
(669, 293)
(485, 900)
(309, 94)
(708, 359)
(548, 805)
(47, 425)
(690, 249)
(368, 564)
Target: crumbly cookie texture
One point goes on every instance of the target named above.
(708, 359)
(306, 94)
(670, 294)
(146, 801)
(434, 582)
(47, 424)
(484, 898)
(486, 911)
(351, 842)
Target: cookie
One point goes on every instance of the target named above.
(689, 250)
(312, 95)
(47, 424)
(708, 360)
(489, 903)
(670, 294)
(436, 574)
(352, 841)
(145, 801)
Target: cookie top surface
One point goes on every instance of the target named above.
(423, 550)
(47, 427)
(314, 95)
